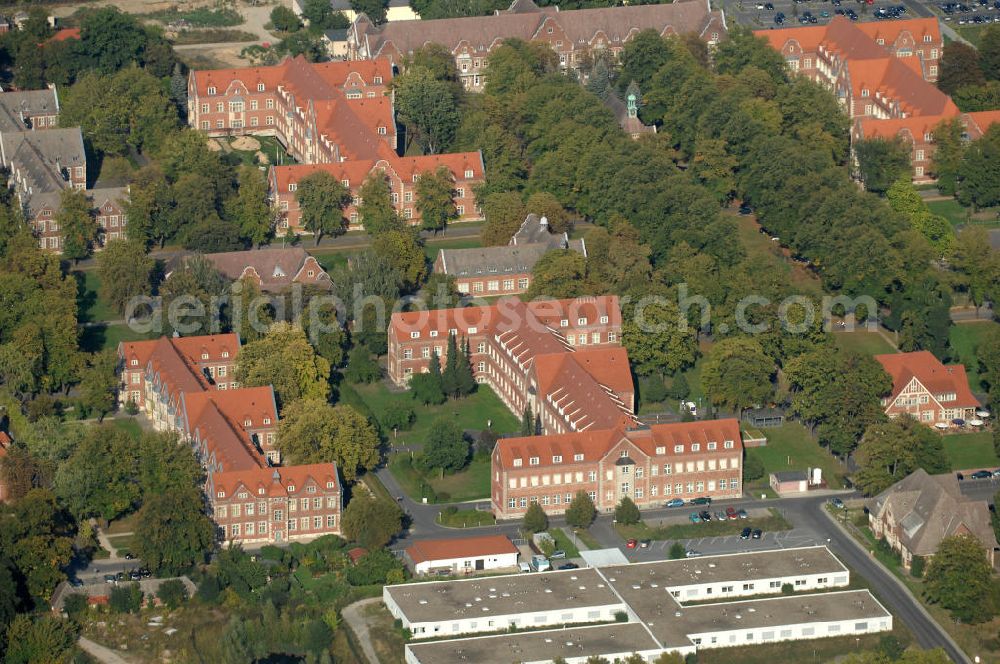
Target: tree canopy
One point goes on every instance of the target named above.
(284, 359)
(313, 431)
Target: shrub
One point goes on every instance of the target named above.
(535, 519)
(172, 593)
(652, 390)
(75, 604)
(398, 416)
(787, 589)
(621, 616)
(917, 566)
(627, 512)
(677, 551)
(131, 407)
(126, 599)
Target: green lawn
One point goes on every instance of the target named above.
(959, 215)
(863, 342)
(713, 528)
(971, 451)
(126, 524)
(466, 519)
(471, 483)
(589, 541)
(90, 306)
(471, 413)
(965, 339)
(123, 544)
(333, 260)
(759, 246)
(792, 447)
(564, 543)
(433, 246)
(96, 338)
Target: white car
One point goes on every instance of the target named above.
(690, 407)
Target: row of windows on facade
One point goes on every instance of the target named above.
(475, 330)
(212, 90)
(243, 495)
(234, 530)
(693, 488)
(660, 450)
(260, 507)
(568, 478)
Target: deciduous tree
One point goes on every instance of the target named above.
(658, 339)
(76, 223)
(322, 199)
(371, 522)
(98, 479)
(560, 274)
(737, 374)
(535, 519)
(172, 532)
(126, 272)
(313, 431)
(99, 384)
(427, 106)
(284, 359)
(249, 209)
(581, 511)
(959, 67)
(376, 209)
(627, 512)
(446, 447)
(402, 249)
(882, 162)
(891, 450)
(284, 19)
(436, 199)
(959, 578)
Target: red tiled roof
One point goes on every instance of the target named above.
(219, 418)
(983, 120)
(5, 442)
(890, 31)
(63, 35)
(932, 374)
(888, 128)
(356, 553)
(585, 386)
(595, 444)
(275, 481)
(899, 82)
(467, 547)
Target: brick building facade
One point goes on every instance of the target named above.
(187, 385)
(574, 35)
(649, 464)
(336, 117)
(883, 75)
(927, 390)
(560, 358)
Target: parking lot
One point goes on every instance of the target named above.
(788, 539)
(760, 16)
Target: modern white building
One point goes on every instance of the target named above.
(462, 556)
(651, 597)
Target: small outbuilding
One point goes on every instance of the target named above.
(462, 556)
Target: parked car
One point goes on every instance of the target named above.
(644, 544)
(134, 575)
(695, 517)
(524, 567)
(674, 502)
(557, 554)
(757, 534)
(720, 516)
(996, 473)
(703, 500)
(731, 513)
(631, 543)
(981, 475)
(76, 583)
(745, 209)
(706, 516)
(145, 572)
(689, 407)
(110, 578)
(745, 534)
(742, 514)
(837, 503)
(691, 553)
(129, 556)
(120, 576)
(569, 566)
(769, 6)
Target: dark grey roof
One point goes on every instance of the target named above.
(336, 35)
(790, 476)
(25, 103)
(38, 157)
(535, 229)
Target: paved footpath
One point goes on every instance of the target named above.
(102, 653)
(352, 614)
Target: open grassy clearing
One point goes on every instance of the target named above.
(564, 543)
(971, 451)
(792, 447)
(90, 306)
(959, 215)
(965, 339)
(201, 17)
(213, 36)
(470, 483)
(863, 342)
(466, 519)
(759, 245)
(100, 337)
(129, 425)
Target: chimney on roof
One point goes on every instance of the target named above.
(275, 476)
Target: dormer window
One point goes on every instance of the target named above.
(267, 420)
(135, 362)
(346, 183)
(414, 335)
(473, 330)
(577, 457)
(624, 454)
(927, 39)
(661, 450)
(260, 491)
(220, 494)
(711, 446)
(291, 488)
(696, 447)
(211, 90)
(564, 323)
(880, 41)
(378, 80)
(260, 87)
(864, 92)
(533, 461)
(678, 449)
(204, 356)
(581, 321)
(434, 333)
(728, 445)
(225, 353)
(329, 485)
(517, 463)
(292, 186)
(247, 423)
(310, 489)
(557, 459)
(469, 173)
(381, 131)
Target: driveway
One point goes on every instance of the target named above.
(353, 616)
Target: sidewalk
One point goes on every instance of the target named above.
(105, 542)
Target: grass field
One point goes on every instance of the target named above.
(470, 483)
(470, 413)
(466, 519)
(432, 248)
(863, 342)
(713, 528)
(90, 306)
(202, 17)
(792, 447)
(971, 451)
(964, 340)
(129, 425)
(959, 215)
(93, 339)
(589, 541)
